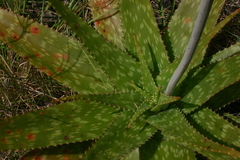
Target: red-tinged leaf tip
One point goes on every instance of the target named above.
(15, 36)
(66, 158)
(31, 137)
(4, 140)
(187, 20)
(34, 30)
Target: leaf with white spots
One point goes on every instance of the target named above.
(138, 18)
(159, 147)
(207, 37)
(147, 79)
(61, 57)
(176, 128)
(123, 100)
(71, 151)
(227, 52)
(107, 20)
(227, 95)
(118, 65)
(214, 125)
(209, 81)
(116, 142)
(76, 121)
(164, 77)
(182, 23)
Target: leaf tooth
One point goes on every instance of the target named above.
(225, 134)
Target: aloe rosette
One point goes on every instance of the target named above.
(121, 72)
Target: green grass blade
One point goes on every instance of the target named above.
(63, 58)
(76, 121)
(138, 18)
(118, 65)
(116, 142)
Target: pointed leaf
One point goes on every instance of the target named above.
(177, 40)
(69, 122)
(159, 147)
(119, 66)
(138, 18)
(107, 20)
(117, 141)
(234, 49)
(209, 81)
(206, 38)
(172, 122)
(224, 97)
(221, 130)
(148, 82)
(72, 151)
(124, 100)
(63, 58)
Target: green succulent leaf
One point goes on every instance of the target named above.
(159, 147)
(217, 127)
(177, 128)
(107, 20)
(206, 38)
(118, 65)
(67, 60)
(182, 23)
(76, 121)
(147, 34)
(208, 82)
(223, 97)
(227, 52)
(123, 100)
(116, 142)
(72, 151)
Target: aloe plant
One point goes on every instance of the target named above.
(121, 72)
